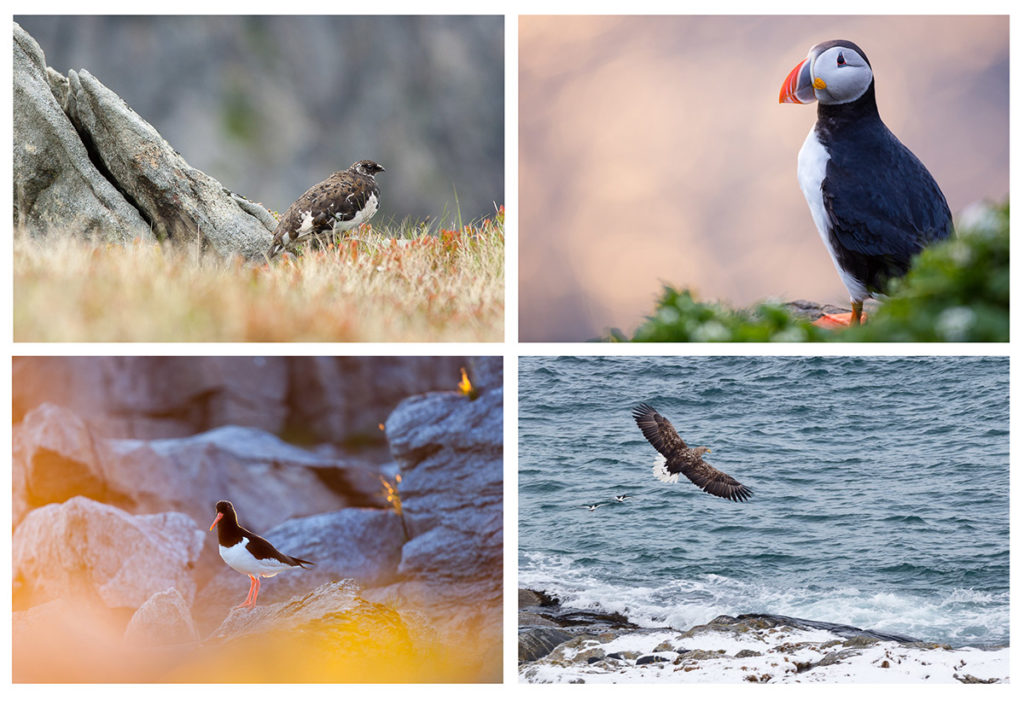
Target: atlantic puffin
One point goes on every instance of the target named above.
(874, 203)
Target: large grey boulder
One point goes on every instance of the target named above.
(269, 481)
(164, 619)
(183, 204)
(359, 545)
(329, 634)
(104, 554)
(449, 451)
(56, 185)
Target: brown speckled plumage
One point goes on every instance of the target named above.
(341, 202)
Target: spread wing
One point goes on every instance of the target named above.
(714, 481)
(680, 459)
(658, 431)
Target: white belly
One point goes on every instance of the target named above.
(361, 216)
(241, 560)
(810, 171)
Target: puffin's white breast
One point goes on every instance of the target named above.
(810, 171)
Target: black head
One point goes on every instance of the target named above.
(367, 168)
(226, 511)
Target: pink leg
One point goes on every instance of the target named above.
(255, 593)
(253, 583)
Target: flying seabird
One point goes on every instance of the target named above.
(873, 202)
(246, 552)
(678, 458)
(592, 507)
(622, 497)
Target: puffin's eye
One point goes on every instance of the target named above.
(840, 61)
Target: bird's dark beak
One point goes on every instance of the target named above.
(798, 87)
(219, 517)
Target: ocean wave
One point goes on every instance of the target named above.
(960, 616)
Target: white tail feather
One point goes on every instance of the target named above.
(662, 473)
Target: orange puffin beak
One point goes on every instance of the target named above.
(798, 87)
(219, 517)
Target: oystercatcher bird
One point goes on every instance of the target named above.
(874, 203)
(246, 552)
(343, 201)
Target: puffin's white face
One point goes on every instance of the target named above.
(832, 76)
(839, 74)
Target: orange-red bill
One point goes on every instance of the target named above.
(798, 88)
(219, 517)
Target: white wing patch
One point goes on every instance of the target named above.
(660, 471)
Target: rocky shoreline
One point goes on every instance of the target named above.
(117, 576)
(562, 644)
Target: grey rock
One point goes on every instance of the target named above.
(56, 185)
(183, 205)
(651, 659)
(449, 451)
(56, 459)
(359, 545)
(163, 620)
(346, 398)
(332, 617)
(235, 95)
(338, 399)
(104, 554)
(268, 480)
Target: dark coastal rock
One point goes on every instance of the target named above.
(538, 641)
(544, 624)
(764, 620)
(651, 659)
(56, 184)
(164, 619)
(361, 546)
(449, 451)
(345, 399)
(67, 547)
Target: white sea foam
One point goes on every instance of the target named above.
(963, 616)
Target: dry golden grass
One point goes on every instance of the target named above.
(375, 286)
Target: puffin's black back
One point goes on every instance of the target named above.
(882, 204)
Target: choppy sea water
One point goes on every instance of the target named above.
(880, 491)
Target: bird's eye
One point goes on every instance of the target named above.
(840, 61)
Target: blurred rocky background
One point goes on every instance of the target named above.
(271, 105)
(117, 465)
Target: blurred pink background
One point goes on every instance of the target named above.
(653, 149)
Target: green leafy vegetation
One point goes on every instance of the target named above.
(958, 290)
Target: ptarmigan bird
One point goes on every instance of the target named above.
(341, 202)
